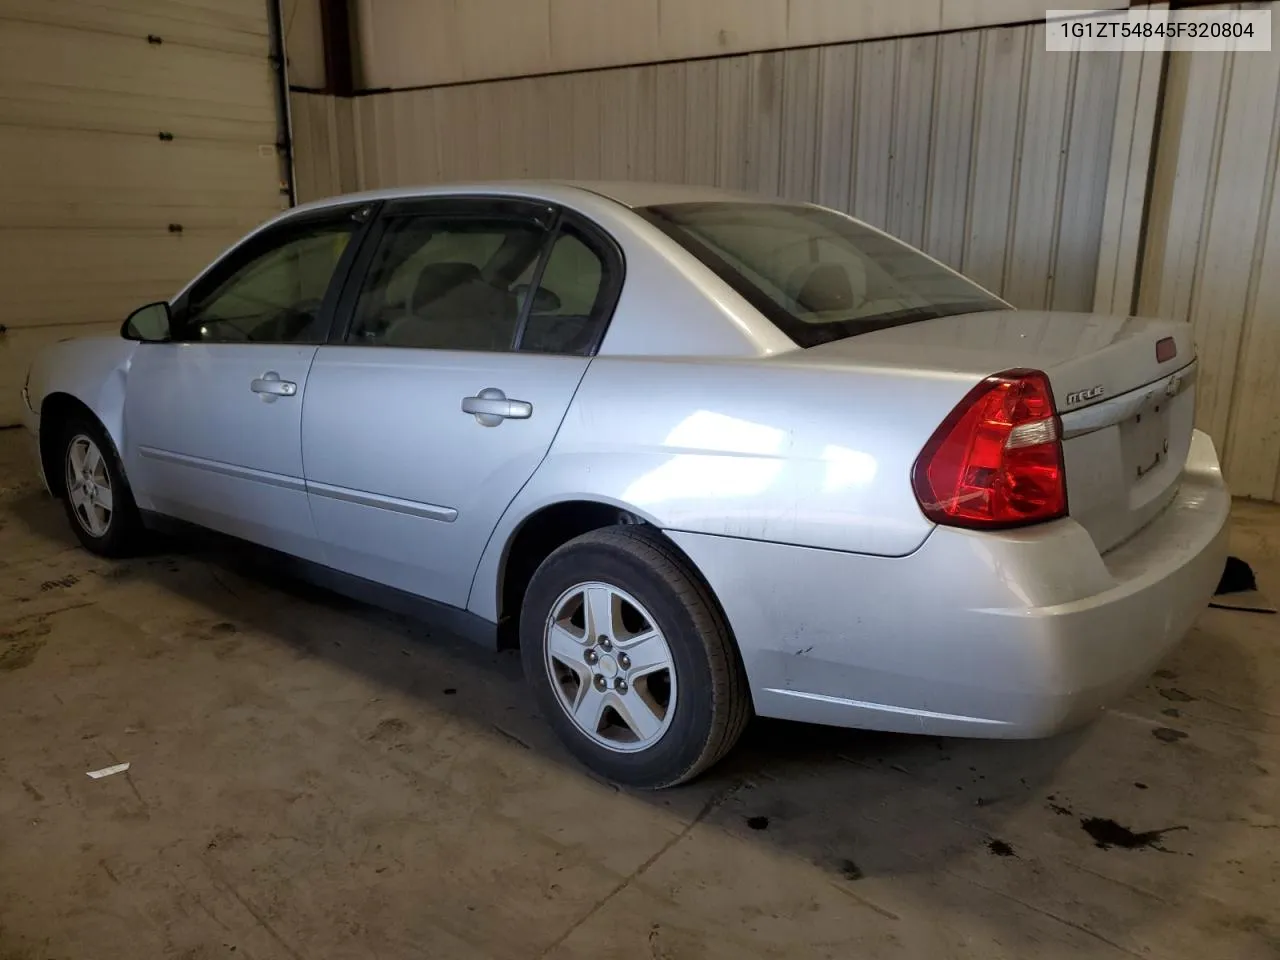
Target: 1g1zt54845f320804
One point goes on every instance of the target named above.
(701, 455)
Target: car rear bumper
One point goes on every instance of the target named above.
(1014, 634)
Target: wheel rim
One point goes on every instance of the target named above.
(610, 667)
(89, 486)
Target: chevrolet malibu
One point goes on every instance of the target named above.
(700, 455)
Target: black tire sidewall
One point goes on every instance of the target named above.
(122, 527)
(685, 741)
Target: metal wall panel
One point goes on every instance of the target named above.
(837, 118)
(978, 146)
(696, 28)
(304, 42)
(993, 169)
(317, 145)
(951, 142)
(1213, 250)
(875, 109)
(1090, 124)
(108, 140)
(1038, 173)
(911, 146)
(237, 26)
(560, 124)
(522, 32)
(701, 121)
(1127, 173)
(670, 103)
(798, 140)
(764, 122)
(731, 122)
(578, 26)
(413, 43)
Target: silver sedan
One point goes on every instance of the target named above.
(700, 455)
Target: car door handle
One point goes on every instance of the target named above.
(271, 386)
(491, 407)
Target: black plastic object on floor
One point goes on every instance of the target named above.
(1236, 578)
(1238, 590)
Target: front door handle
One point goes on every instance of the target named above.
(271, 387)
(491, 407)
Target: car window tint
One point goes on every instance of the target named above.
(272, 292)
(447, 284)
(817, 274)
(474, 247)
(567, 313)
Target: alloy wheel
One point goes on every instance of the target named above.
(610, 667)
(89, 485)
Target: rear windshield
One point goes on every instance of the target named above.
(817, 274)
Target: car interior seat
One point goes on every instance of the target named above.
(454, 308)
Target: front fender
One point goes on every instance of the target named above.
(93, 370)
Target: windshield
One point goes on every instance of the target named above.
(817, 274)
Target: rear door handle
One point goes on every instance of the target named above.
(491, 407)
(271, 387)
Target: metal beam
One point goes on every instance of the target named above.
(335, 29)
(284, 118)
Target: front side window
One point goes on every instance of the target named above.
(270, 291)
(447, 284)
(816, 274)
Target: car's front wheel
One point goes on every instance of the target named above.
(631, 660)
(96, 494)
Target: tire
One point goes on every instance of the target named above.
(698, 705)
(113, 532)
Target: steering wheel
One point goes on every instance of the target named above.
(220, 329)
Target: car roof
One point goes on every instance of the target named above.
(628, 193)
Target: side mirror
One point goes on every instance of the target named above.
(149, 324)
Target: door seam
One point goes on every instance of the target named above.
(532, 473)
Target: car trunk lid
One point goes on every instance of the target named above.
(1124, 387)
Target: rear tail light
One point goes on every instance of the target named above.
(996, 461)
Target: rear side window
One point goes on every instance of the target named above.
(574, 297)
(817, 274)
(486, 283)
(447, 284)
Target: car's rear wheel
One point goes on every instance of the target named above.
(631, 660)
(96, 494)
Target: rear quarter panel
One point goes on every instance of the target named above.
(782, 449)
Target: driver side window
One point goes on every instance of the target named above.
(270, 291)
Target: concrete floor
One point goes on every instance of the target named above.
(313, 779)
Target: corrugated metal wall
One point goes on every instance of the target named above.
(1213, 249)
(418, 43)
(977, 146)
(324, 145)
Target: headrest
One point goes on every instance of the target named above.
(437, 279)
(822, 288)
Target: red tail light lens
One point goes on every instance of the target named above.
(996, 461)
